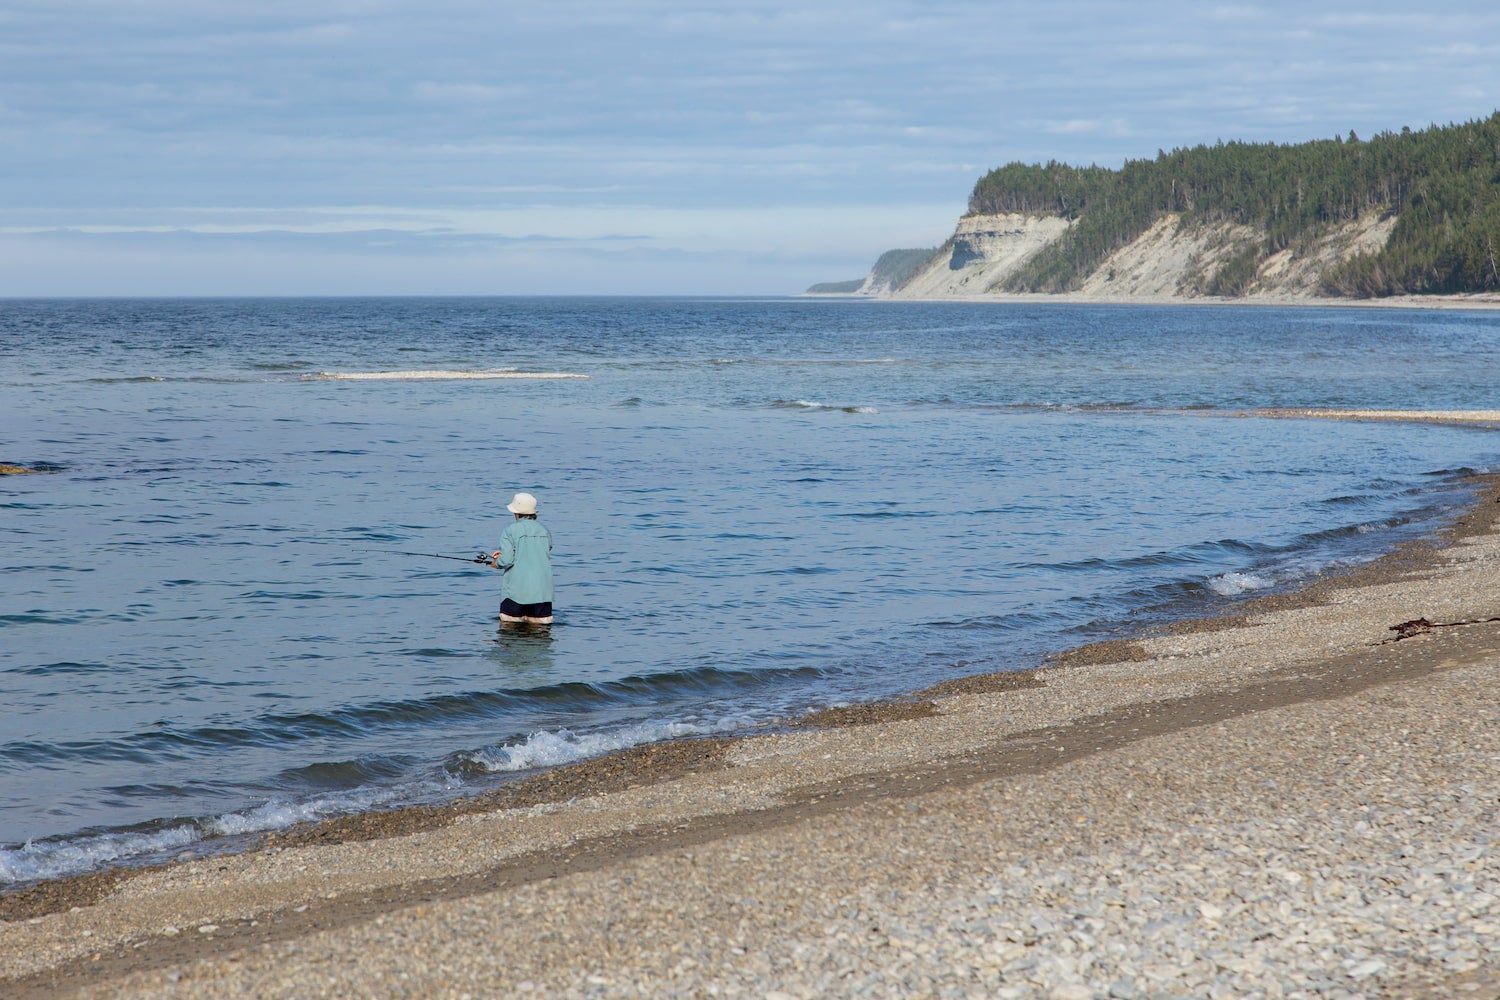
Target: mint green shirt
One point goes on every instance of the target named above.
(526, 557)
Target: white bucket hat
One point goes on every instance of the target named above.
(524, 503)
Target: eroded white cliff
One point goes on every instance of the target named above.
(983, 251)
(1170, 260)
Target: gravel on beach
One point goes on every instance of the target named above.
(1300, 801)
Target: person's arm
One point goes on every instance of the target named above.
(505, 555)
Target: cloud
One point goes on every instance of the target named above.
(1085, 126)
(174, 267)
(662, 110)
(692, 229)
(531, 250)
(465, 93)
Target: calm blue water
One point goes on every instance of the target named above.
(760, 507)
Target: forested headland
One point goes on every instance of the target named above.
(1441, 185)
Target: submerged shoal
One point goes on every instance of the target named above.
(1297, 798)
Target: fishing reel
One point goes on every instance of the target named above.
(483, 557)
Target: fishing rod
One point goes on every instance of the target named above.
(483, 557)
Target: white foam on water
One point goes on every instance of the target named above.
(34, 862)
(57, 859)
(549, 749)
(280, 813)
(436, 374)
(62, 858)
(815, 407)
(1234, 584)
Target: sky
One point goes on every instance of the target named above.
(484, 147)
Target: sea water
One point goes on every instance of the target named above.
(211, 625)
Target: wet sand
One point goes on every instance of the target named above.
(833, 858)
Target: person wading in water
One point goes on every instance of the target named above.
(525, 555)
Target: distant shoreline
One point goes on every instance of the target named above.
(1477, 301)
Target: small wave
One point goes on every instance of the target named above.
(281, 366)
(130, 379)
(884, 515)
(808, 406)
(436, 374)
(1235, 584)
(33, 862)
(799, 571)
(38, 618)
(791, 362)
(1347, 530)
(49, 859)
(271, 595)
(549, 749)
(1198, 552)
(1356, 500)
(1294, 571)
(1014, 622)
(125, 379)
(279, 729)
(343, 775)
(280, 813)
(61, 667)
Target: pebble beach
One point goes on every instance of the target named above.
(1299, 800)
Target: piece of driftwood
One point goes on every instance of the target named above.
(1421, 626)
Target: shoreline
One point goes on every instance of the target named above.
(650, 763)
(1477, 301)
(130, 931)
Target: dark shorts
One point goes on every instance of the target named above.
(511, 609)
